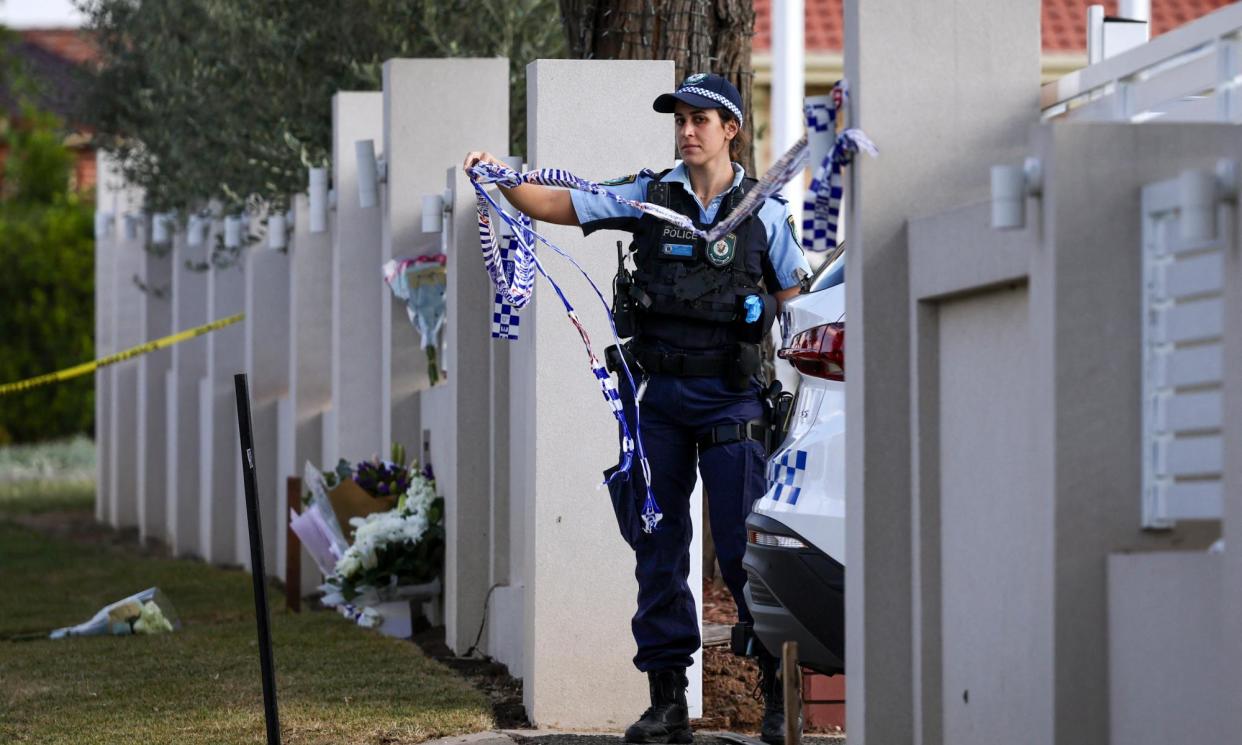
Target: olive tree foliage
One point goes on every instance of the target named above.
(697, 35)
(228, 101)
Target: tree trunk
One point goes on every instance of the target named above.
(697, 35)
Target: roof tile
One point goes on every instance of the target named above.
(1064, 22)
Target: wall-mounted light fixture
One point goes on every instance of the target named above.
(317, 192)
(1201, 192)
(372, 171)
(276, 234)
(103, 224)
(132, 221)
(1011, 185)
(195, 231)
(232, 231)
(435, 207)
(161, 228)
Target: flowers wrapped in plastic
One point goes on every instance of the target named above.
(146, 612)
(421, 283)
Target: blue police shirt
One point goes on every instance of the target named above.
(785, 255)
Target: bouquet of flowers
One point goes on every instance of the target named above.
(146, 612)
(402, 546)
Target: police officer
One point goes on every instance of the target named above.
(698, 314)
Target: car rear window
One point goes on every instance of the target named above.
(831, 274)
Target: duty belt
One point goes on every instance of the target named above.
(682, 364)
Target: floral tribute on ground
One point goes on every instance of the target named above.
(376, 531)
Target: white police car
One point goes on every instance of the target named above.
(795, 554)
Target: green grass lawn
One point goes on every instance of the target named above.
(337, 683)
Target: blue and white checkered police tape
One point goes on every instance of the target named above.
(517, 287)
(821, 210)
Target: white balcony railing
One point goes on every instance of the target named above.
(1190, 74)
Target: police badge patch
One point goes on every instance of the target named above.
(696, 78)
(620, 180)
(720, 253)
(793, 227)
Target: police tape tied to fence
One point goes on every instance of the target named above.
(512, 268)
(87, 368)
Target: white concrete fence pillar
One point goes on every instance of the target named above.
(454, 413)
(189, 366)
(359, 297)
(267, 367)
(220, 469)
(109, 222)
(152, 434)
(127, 319)
(579, 573)
(310, 348)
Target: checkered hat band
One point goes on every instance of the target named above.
(713, 95)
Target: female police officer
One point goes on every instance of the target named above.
(701, 311)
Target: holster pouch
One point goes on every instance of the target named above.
(747, 362)
(612, 359)
(753, 333)
(625, 505)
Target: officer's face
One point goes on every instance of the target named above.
(701, 136)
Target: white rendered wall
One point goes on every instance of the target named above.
(944, 88)
(359, 297)
(454, 413)
(189, 366)
(578, 571)
(221, 495)
(1167, 629)
(267, 369)
(153, 367)
(128, 330)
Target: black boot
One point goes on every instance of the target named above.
(773, 729)
(668, 719)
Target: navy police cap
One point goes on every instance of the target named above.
(704, 91)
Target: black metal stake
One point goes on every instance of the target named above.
(257, 574)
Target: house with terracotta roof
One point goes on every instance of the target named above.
(1063, 35)
(54, 60)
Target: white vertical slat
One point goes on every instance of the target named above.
(1193, 366)
(1189, 412)
(1195, 321)
(1191, 456)
(1195, 276)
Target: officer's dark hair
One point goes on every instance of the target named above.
(739, 146)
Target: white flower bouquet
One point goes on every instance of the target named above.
(403, 546)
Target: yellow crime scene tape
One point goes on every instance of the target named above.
(89, 367)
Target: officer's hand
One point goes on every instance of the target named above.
(475, 157)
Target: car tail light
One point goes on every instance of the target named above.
(819, 351)
(759, 538)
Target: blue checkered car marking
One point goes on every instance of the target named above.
(785, 473)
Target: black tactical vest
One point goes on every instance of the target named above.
(696, 290)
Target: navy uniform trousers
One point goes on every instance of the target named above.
(674, 410)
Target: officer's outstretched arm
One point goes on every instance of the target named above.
(542, 203)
